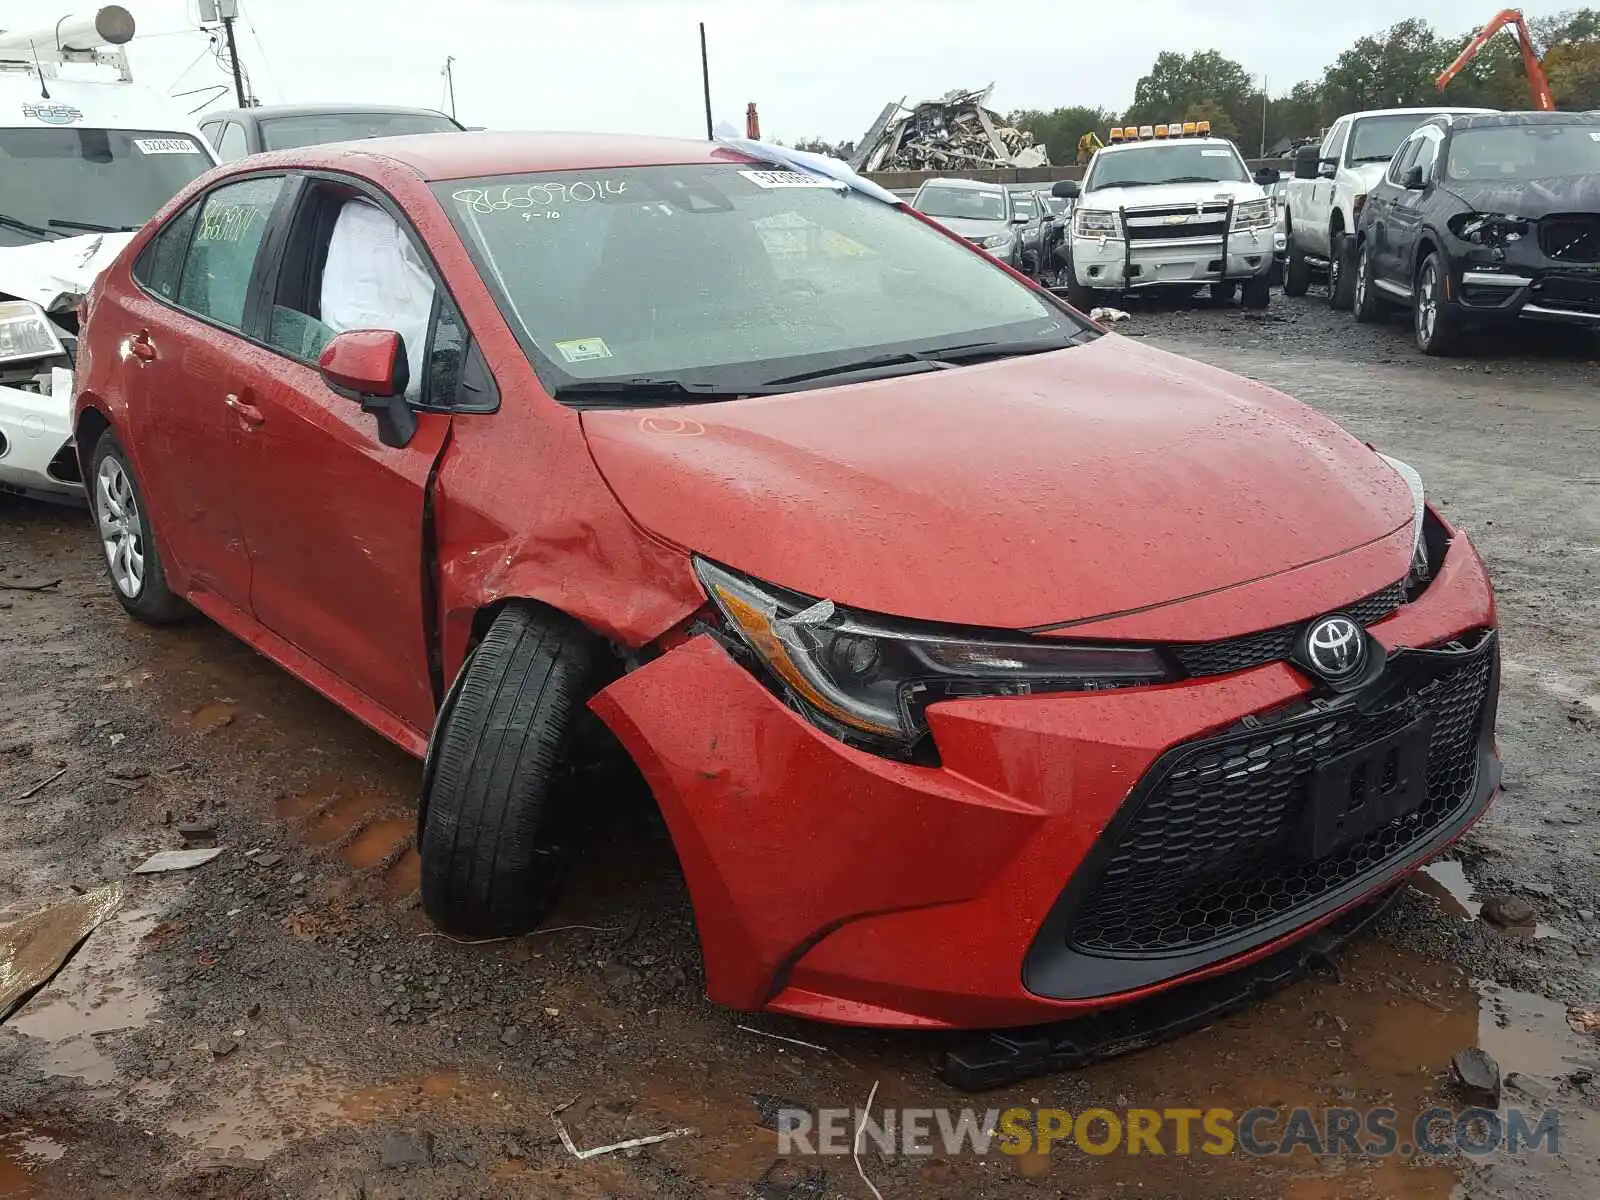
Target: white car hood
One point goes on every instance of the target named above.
(1164, 194)
(55, 274)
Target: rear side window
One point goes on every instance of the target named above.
(160, 266)
(216, 274)
(1403, 159)
(232, 145)
(1334, 147)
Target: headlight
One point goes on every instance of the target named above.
(999, 241)
(25, 332)
(1095, 222)
(1254, 214)
(1419, 550)
(870, 680)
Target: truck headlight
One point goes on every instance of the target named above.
(1254, 214)
(1095, 222)
(869, 680)
(26, 333)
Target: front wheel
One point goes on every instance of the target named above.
(1341, 276)
(1367, 306)
(1258, 292)
(1224, 293)
(132, 551)
(1438, 328)
(1296, 270)
(1080, 297)
(493, 850)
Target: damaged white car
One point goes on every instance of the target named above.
(86, 157)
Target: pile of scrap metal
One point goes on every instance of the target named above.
(953, 132)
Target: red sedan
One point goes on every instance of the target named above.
(987, 668)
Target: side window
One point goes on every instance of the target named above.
(232, 145)
(1337, 136)
(212, 130)
(1403, 160)
(216, 273)
(160, 264)
(1427, 155)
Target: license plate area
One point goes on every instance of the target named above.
(1367, 788)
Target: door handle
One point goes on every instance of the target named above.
(142, 347)
(248, 414)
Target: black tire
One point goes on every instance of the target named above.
(1341, 272)
(1080, 297)
(1258, 292)
(493, 857)
(133, 567)
(1224, 293)
(1435, 323)
(1367, 305)
(1296, 270)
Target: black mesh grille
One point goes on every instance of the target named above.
(1274, 645)
(1571, 237)
(1213, 850)
(1566, 291)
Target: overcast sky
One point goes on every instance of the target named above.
(815, 68)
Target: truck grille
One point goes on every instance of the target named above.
(1176, 221)
(1571, 237)
(1212, 851)
(1274, 645)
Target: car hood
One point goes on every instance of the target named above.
(1025, 492)
(1531, 199)
(1165, 194)
(967, 227)
(55, 274)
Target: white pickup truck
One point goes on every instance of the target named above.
(1330, 184)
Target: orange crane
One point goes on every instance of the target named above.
(1537, 83)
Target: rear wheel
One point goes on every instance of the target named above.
(1258, 292)
(1341, 273)
(1437, 325)
(1296, 270)
(132, 552)
(494, 853)
(1367, 305)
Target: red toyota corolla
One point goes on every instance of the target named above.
(986, 667)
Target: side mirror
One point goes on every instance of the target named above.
(370, 367)
(1413, 181)
(1306, 160)
(1066, 189)
(1020, 218)
(1268, 176)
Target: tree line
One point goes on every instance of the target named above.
(1392, 69)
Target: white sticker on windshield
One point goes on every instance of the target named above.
(583, 349)
(1593, 136)
(1216, 154)
(166, 146)
(785, 179)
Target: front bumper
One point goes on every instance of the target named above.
(1122, 265)
(36, 454)
(833, 884)
(1561, 295)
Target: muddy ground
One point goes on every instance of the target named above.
(283, 1022)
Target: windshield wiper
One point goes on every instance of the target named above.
(1370, 158)
(23, 227)
(914, 362)
(1191, 179)
(91, 227)
(628, 393)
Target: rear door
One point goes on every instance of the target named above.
(184, 329)
(332, 517)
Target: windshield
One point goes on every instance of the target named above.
(1523, 152)
(728, 274)
(968, 204)
(66, 182)
(1175, 162)
(1022, 205)
(318, 129)
(1375, 139)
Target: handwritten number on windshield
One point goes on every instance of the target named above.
(537, 195)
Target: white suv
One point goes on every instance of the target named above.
(1168, 213)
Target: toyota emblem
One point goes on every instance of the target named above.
(1335, 647)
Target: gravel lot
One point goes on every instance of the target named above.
(283, 1022)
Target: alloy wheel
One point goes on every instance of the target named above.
(1361, 277)
(1427, 304)
(121, 529)
(1334, 269)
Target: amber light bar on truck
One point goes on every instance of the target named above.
(1138, 133)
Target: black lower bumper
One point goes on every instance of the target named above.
(1566, 296)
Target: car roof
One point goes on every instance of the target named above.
(269, 111)
(1501, 120)
(1430, 111)
(468, 155)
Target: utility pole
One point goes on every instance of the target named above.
(1263, 153)
(233, 57)
(705, 80)
(450, 83)
(227, 12)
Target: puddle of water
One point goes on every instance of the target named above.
(405, 876)
(1446, 881)
(22, 1153)
(98, 994)
(218, 714)
(345, 815)
(378, 842)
